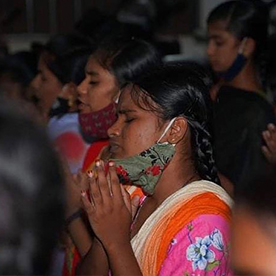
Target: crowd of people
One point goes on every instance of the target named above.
(115, 162)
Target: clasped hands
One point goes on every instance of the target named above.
(108, 206)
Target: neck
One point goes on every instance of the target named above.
(247, 79)
(179, 173)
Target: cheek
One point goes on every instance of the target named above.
(137, 139)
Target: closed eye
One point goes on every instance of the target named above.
(129, 120)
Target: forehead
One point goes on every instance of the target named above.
(127, 101)
(219, 29)
(94, 66)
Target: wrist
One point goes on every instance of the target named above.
(117, 246)
(77, 214)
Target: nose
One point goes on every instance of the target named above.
(115, 129)
(210, 49)
(35, 85)
(82, 87)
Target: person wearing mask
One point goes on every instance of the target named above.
(115, 62)
(161, 144)
(237, 33)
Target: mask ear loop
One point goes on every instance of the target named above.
(166, 130)
(242, 45)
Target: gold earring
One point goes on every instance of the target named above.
(70, 101)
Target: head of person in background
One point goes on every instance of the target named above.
(60, 68)
(69, 69)
(31, 195)
(237, 45)
(254, 227)
(115, 62)
(16, 73)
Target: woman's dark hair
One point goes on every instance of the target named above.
(70, 67)
(66, 57)
(31, 195)
(127, 58)
(182, 91)
(20, 67)
(246, 19)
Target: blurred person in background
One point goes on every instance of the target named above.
(61, 69)
(237, 33)
(253, 247)
(16, 73)
(31, 195)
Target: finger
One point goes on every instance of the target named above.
(115, 183)
(134, 205)
(266, 135)
(267, 153)
(84, 181)
(126, 198)
(271, 128)
(102, 181)
(95, 193)
(270, 140)
(88, 206)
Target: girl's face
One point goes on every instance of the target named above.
(135, 129)
(98, 89)
(253, 249)
(222, 47)
(46, 85)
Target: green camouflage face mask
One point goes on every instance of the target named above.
(145, 168)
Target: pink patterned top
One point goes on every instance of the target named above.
(200, 248)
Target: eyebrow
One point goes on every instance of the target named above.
(125, 111)
(91, 73)
(215, 36)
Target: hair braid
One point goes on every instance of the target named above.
(203, 152)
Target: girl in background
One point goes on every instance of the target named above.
(237, 42)
(115, 62)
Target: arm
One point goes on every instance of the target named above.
(95, 262)
(109, 214)
(77, 228)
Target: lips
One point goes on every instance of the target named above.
(83, 106)
(113, 147)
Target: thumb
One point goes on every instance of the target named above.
(134, 205)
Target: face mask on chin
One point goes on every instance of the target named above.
(236, 66)
(145, 169)
(95, 124)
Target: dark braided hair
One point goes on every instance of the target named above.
(182, 91)
(247, 19)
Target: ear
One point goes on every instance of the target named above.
(249, 47)
(177, 131)
(69, 90)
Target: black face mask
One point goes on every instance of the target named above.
(234, 69)
(59, 107)
(236, 66)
